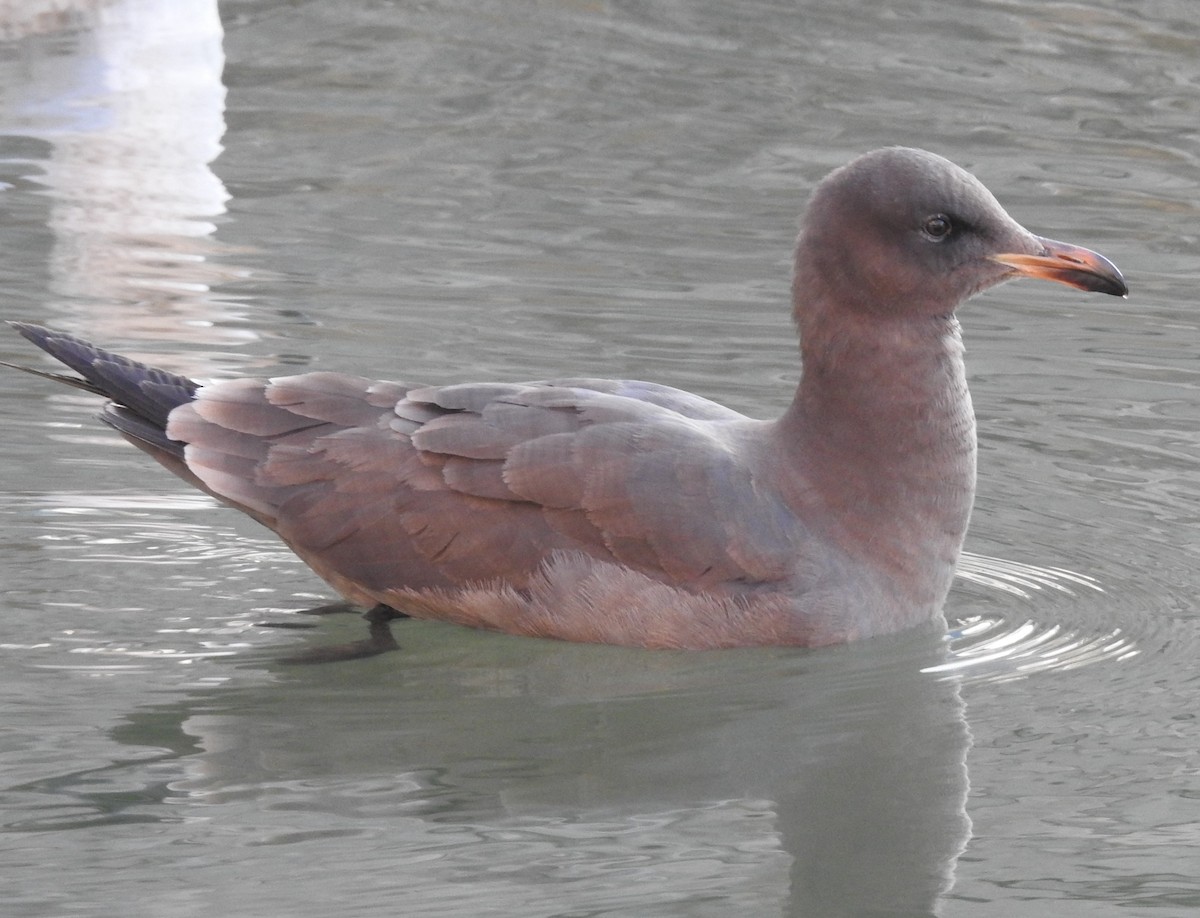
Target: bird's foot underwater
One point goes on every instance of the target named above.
(379, 635)
(379, 612)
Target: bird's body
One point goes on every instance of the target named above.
(627, 512)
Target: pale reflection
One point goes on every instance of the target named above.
(829, 784)
(128, 96)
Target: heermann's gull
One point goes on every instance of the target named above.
(632, 513)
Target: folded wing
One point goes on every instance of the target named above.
(379, 486)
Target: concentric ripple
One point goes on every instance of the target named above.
(999, 647)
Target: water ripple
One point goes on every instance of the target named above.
(1022, 580)
(1000, 647)
(1022, 625)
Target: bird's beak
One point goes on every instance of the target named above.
(1067, 264)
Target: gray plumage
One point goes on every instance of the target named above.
(628, 512)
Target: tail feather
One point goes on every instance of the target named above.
(141, 397)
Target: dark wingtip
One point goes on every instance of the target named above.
(38, 334)
(76, 353)
(31, 332)
(147, 391)
(43, 338)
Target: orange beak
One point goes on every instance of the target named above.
(1068, 264)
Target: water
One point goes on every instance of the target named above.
(468, 190)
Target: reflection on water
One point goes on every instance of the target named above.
(127, 96)
(513, 190)
(535, 773)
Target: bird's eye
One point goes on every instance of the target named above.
(937, 227)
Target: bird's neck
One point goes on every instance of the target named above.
(882, 427)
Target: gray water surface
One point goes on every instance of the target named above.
(514, 190)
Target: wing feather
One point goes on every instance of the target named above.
(335, 398)
(383, 487)
(546, 470)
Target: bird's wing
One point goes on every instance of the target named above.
(392, 487)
